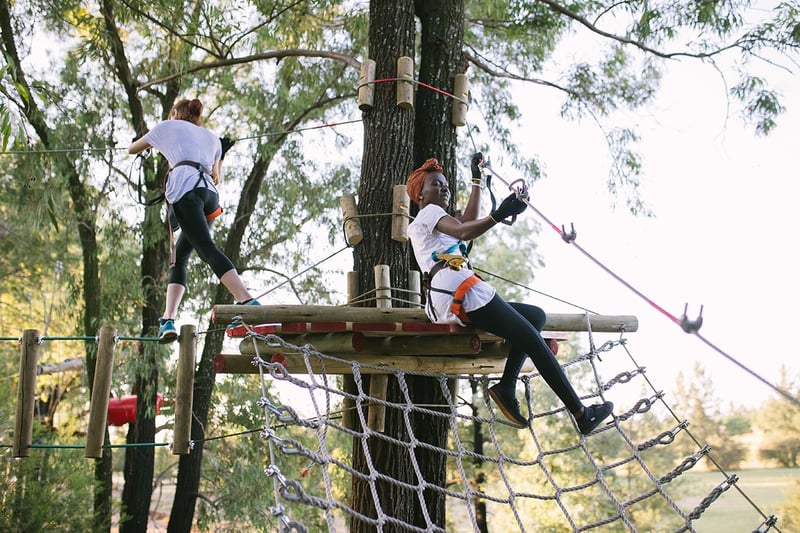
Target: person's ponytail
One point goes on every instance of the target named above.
(188, 110)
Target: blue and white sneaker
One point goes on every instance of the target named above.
(166, 330)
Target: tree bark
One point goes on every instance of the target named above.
(390, 153)
(442, 26)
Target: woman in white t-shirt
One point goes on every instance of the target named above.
(195, 159)
(456, 295)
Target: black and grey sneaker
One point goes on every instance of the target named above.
(509, 405)
(593, 416)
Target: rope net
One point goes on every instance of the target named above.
(626, 476)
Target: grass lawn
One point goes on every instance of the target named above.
(767, 488)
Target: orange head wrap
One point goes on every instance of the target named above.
(417, 178)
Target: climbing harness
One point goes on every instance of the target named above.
(203, 175)
(454, 261)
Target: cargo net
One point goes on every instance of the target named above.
(331, 468)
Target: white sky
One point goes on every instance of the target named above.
(722, 236)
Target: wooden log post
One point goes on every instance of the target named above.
(26, 393)
(67, 365)
(399, 213)
(414, 287)
(262, 314)
(378, 384)
(349, 417)
(460, 103)
(366, 85)
(352, 227)
(405, 89)
(101, 392)
(181, 433)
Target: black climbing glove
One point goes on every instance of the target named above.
(510, 207)
(477, 158)
(226, 142)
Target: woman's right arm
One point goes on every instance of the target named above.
(466, 230)
(138, 145)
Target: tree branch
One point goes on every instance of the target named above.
(275, 54)
(501, 72)
(121, 66)
(558, 8)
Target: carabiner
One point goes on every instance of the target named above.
(520, 188)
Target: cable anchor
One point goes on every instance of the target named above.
(691, 326)
(571, 236)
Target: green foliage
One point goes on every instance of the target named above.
(780, 423)
(790, 512)
(48, 491)
(695, 400)
(762, 105)
(52, 488)
(236, 488)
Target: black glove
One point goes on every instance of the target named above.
(477, 158)
(226, 142)
(510, 207)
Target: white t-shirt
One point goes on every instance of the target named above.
(180, 140)
(426, 239)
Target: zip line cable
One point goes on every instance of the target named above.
(121, 148)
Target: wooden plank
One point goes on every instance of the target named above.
(294, 364)
(357, 342)
(275, 314)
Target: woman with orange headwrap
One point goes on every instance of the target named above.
(456, 295)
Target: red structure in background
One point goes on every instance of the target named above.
(123, 410)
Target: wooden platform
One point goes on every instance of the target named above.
(391, 339)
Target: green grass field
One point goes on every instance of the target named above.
(731, 512)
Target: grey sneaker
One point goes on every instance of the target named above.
(593, 416)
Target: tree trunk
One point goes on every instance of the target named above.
(442, 26)
(187, 488)
(189, 466)
(139, 461)
(390, 153)
(386, 162)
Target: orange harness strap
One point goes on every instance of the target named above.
(214, 214)
(461, 291)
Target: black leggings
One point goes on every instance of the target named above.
(190, 212)
(520, 324)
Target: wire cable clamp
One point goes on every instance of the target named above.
(691, 326)
(571, 236)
